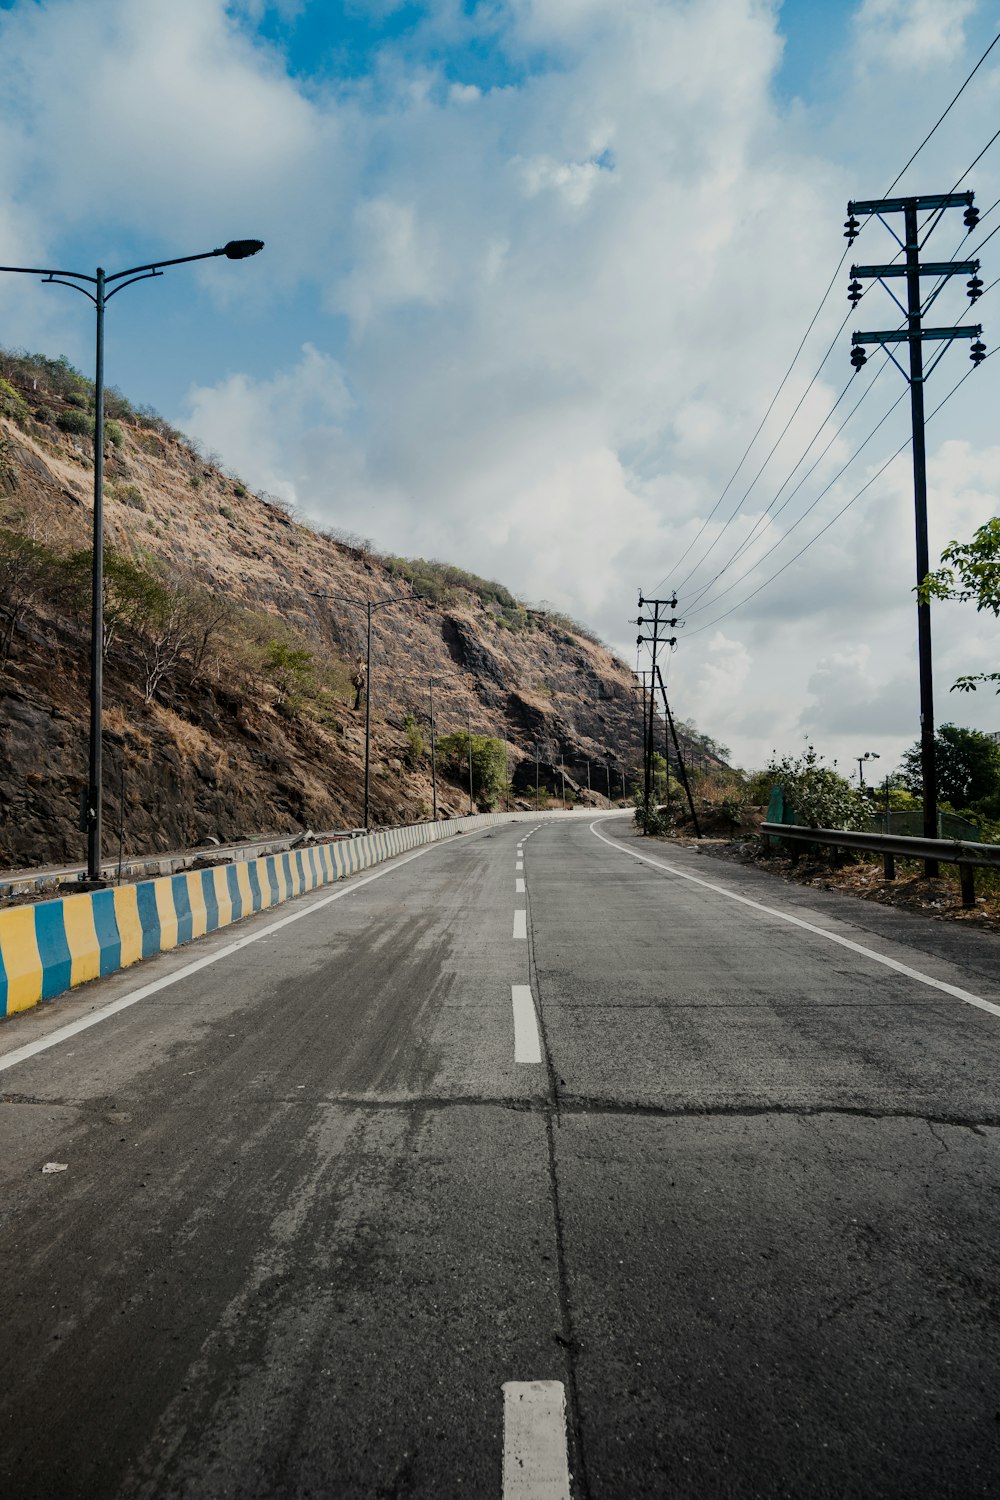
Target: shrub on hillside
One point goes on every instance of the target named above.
(79, 423)
(13, 404)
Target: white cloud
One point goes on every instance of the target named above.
(544, 317)
(912, 34)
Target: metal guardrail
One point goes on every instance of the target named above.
(966, 855)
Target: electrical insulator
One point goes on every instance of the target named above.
(638, 640)
(975, 288)
(852, 227)
(854, 293)
(858, 357)
(971, 217)
(977, 352)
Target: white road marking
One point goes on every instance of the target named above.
(519, 886)
(535, 1460)
(31, 1049)
(527, 1046)
(831, 937)
(521, 924)
(519, 864)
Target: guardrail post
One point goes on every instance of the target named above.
(889, 866)
(967, 879)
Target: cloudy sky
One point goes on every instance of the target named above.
(534, 271)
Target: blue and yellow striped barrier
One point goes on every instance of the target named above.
(53, 946)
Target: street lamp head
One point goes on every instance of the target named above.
(241, 249)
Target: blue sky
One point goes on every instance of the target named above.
(533, 270)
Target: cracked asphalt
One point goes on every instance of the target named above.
(314, 1215)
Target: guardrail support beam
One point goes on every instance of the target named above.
(967, 878)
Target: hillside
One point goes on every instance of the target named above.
(228, 684)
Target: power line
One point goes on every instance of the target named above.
(807, 512)
(797, 408)
(815, 316)
(770, 512)
(764, 418)
(935, 216)
(867, 485)
(942, 117)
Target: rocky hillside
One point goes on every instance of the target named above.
(229, 693)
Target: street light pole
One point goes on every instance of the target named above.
(369, 605)
(536, 776)
(434, 776)
(95, 759)
(368, 713)
(100, 297)
(868, 755)
(471, 803)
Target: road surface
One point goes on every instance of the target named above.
(522, 1166)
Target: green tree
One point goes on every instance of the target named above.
(489, 764)
(970, 571)
(291, 669)
(415, 736)
(968, 766)
(29, 569)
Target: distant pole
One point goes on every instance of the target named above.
(471, 803)
(368, 714)
(536, 776)
(609, 783)
(434, 774)
(506, 771)
(369, 605)
(588, 777)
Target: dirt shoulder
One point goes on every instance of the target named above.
(939, 899)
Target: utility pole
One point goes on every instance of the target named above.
(434, 774)
(609, 781)
(536, 776)
(914, 335)
(656, 641)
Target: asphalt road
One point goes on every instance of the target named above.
(327, 1229)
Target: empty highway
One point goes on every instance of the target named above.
(546, 1161)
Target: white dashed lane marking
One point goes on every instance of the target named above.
(527, 1045)
(535, 1460)
(519, 886)
(521, 924)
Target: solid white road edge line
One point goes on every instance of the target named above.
(831, 937)
(527, 1046)
(30, 1049)
(521, 924)
(535, 1460)
(519, 886)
